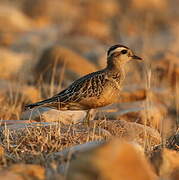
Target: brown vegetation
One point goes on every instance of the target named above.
(44, 46)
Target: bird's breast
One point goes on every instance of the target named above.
(109, 95)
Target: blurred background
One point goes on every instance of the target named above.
(46, 44)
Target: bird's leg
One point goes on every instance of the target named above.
(89, 116)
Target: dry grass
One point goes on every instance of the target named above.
(36, 37)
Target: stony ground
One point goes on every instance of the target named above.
(44, 46)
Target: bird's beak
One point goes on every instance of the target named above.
(136, 57)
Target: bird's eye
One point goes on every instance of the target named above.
(124, 51)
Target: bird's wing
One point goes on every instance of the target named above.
(88, 86)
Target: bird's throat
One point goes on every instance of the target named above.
(117, 74)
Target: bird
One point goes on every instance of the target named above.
(97, 89)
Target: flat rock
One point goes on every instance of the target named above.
(24, 124)
(12, 19)
(21, 93)
(58, 59)
(23, 171)
(152, 115)
(143, 135)
(11, 63)
(78, 148)
(47, 114)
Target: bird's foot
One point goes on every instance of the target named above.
(89, 116)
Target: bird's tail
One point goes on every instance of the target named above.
(40, 103)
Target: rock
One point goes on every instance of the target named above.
(149, 4)
(164, 157)
(86, 26)
(127, 111)
(44, 11)
(6, 175)
(133, 94)
(36, 9)
(28, 171)
(52, 115)
(103, 10)
(16, 92)
(11, 63)
(117, 160)
(30, 94)
(166, 69)
(7, 38)
(2, 155)
(170, 166)
(57, 62)
(2, 152)
(23, 124)
(152, 114)
(143, 135)
(23, 171)
(11, 19)
(100, 14)
(88, 47)
(15, 122)
(78, 149)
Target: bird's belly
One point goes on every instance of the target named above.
(109, 96)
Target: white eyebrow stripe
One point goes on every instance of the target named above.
(119, 49)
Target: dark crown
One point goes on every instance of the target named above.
(115, 46)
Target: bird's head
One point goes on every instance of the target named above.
(118, 55)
